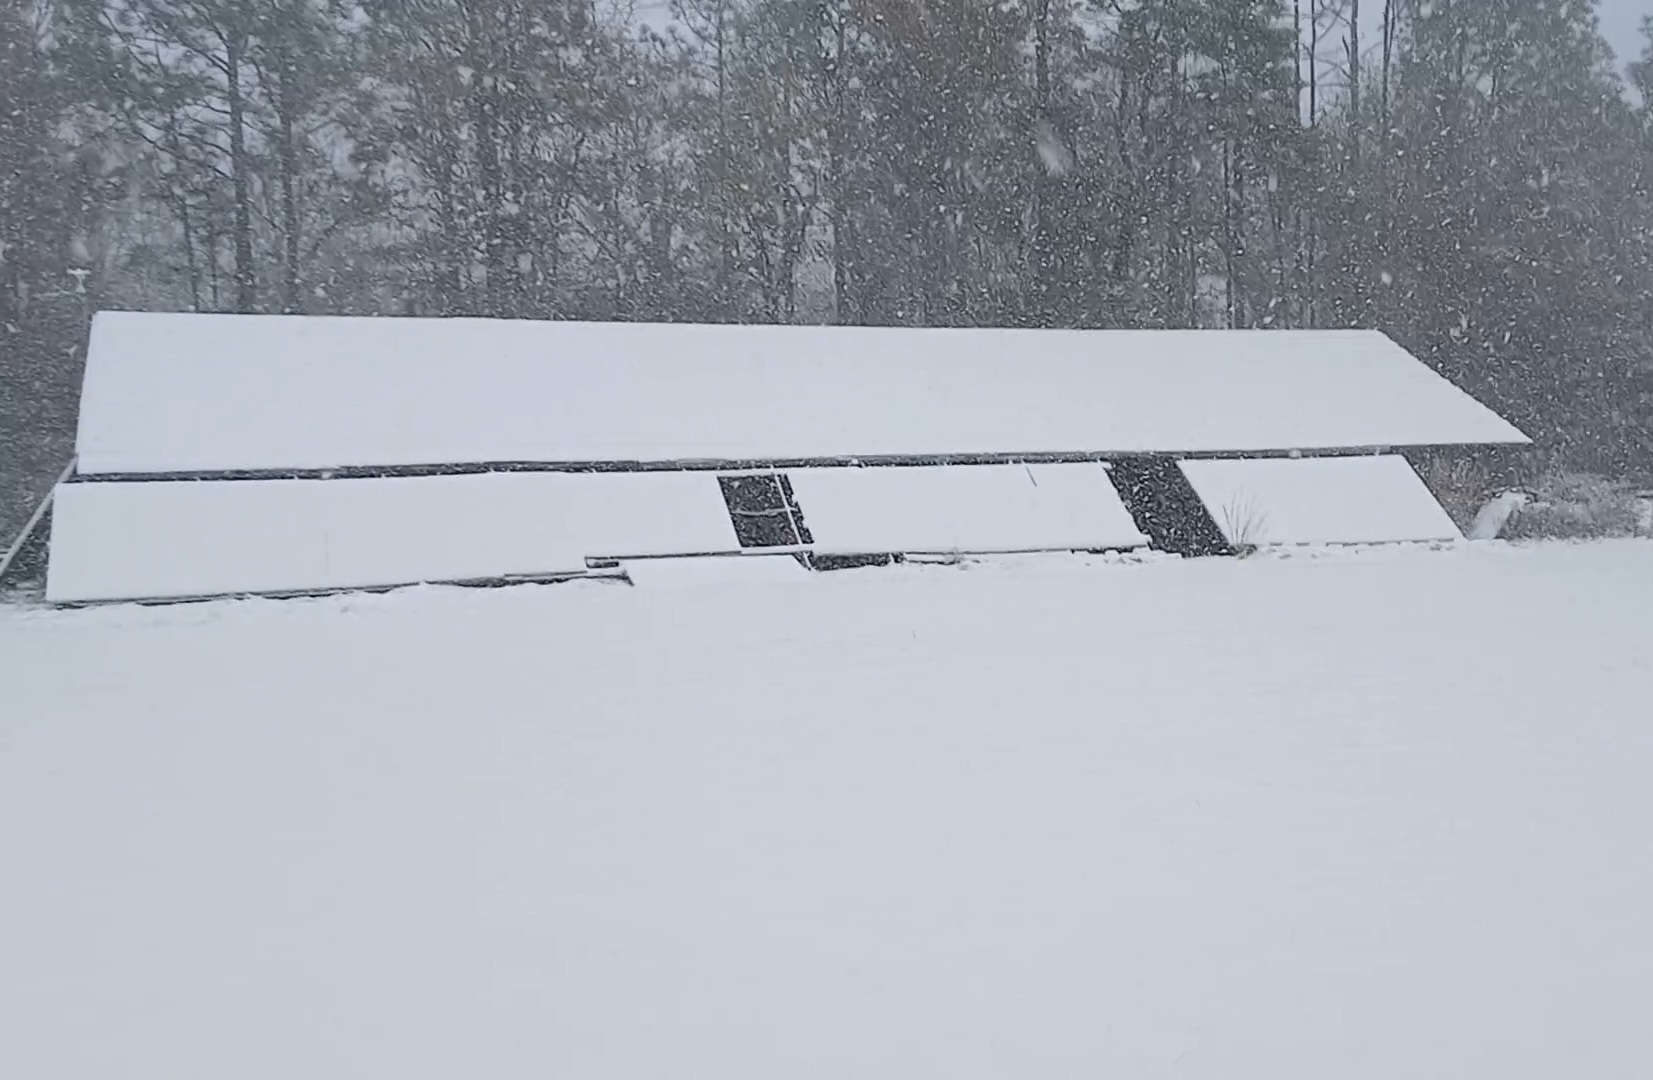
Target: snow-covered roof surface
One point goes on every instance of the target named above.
(1362, 816)
(973, 508)
(1353, 500)
(208, 393)
(157, 539)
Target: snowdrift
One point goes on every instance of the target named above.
(1356, 817)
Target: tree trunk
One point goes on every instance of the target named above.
(246, 278)
(286, 119)
(1297, 58)
(483, 59)
(1388, 61)
(190, 263)
(1043, 256)
(837, 153)
(724, 178)
(1354, 84)
(1314, 64)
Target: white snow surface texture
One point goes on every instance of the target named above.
(1357, 816)
(715, 571)
(176, 538)
(975, 508)
(204, 393)
(1353, 500)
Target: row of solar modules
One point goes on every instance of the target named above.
(159, 539)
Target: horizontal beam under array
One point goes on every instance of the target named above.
(360, 472)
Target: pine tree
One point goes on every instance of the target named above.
(44, 290)
(1469, 175)
(1509, 250)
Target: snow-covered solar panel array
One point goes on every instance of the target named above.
(160, 539)
(987, 508)
(227, 454)
(148, 539)
(1352, 500)
(201, 394)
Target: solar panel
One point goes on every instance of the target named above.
(199, 394)
(169, 539)
(1346, 500)
(967, 508)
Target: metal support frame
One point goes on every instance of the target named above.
(34, 521)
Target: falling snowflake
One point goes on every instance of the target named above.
(1053, 154)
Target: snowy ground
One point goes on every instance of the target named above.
(1349, 818)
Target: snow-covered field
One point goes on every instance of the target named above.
(1360, 817)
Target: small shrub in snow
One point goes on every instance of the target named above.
(1574, 506)
(1244, 525)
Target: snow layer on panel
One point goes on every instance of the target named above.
(714, 571)
(1376, 816)
(143, 540)
(203, 393)
(1354, 500)
(975, 508)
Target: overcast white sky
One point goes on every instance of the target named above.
(1621, 21)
